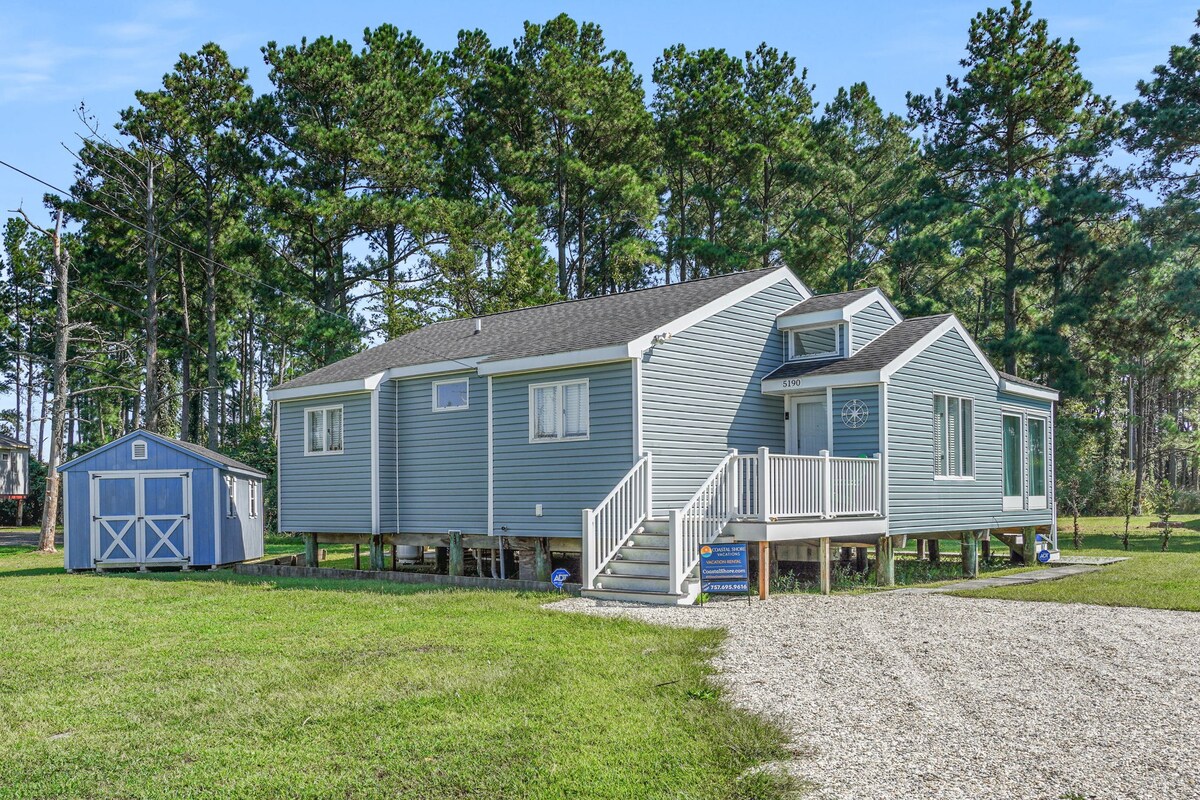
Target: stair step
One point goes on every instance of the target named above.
(649, 555)
(648, 540)
(649, 569)
(633, 596)
(640, 583)
(656, 526)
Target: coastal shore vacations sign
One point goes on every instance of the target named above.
(724, 569)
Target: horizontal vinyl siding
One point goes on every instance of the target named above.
(564, 476)
(855, 442)
(326, 493)
(387, 456)
(436, 473)
(701, 393)
(917, 502)
(868, 324)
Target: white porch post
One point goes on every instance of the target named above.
(764, 484)
(733, 486)
(882, 495)
(675, 549)
(589, 550)
(826, 486)
(649, 484)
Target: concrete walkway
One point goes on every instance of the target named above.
(1016, 579)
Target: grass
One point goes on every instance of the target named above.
(1149, 579)
(210, 684)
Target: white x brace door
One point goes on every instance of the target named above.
(141, 517)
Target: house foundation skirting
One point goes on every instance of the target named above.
(465, 581)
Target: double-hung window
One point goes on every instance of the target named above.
(323, 430)
(809, 343)
(558, 411)
(953, 437)
(452, 395)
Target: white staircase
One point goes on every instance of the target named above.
(640, 571)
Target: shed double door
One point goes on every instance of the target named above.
(141, 518)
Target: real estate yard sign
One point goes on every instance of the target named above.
(724, 569)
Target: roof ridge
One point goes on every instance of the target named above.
(624, 293)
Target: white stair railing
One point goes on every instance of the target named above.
(607, 527)
(702, 519)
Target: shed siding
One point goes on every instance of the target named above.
(326, 493)
(918, 503)
(436, 470)
(563, 476)
(241, 534)
(78, 521)
(701, 393)
(868, 324)
(854, 442)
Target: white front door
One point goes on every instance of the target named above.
(812, 426)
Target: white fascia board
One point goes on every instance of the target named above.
(367, 384)
(641, 344)
(843, 314)
(1011, 387)
(596, 355)
(803, 383)
(433, 368)
(951, 324)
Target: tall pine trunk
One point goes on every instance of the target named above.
(61, 336)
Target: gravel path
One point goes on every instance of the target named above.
(932, 696)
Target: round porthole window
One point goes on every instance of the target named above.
(855, 414)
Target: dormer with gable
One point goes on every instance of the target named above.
(836, 326)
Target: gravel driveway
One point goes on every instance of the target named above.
(931, 696)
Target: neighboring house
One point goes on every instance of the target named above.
(144, 500)
(633, 428)
(14, 469)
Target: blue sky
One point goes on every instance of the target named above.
(54, 56)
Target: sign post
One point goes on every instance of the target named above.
(724, 569)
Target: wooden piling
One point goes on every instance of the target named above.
(357, 555)
(455, 566)
(764, 570)
(920, 549)
(826, 581)
(970, 554)
(935, 551)
(1029, 546)
(861, 561)
(441, 560)
(393, 558)
(542, 566)
(311, 553)
(885, 562)
(376, 553)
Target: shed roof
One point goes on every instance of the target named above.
(9, 443)
(211, 456)
(885, 349)
(561, 327)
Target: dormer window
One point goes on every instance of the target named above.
(825, 341)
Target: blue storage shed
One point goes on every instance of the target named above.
(145, 500)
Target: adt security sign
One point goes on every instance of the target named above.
(1043, 556)
(724, 568)
(559, 577)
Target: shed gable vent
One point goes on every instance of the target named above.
(139, 451)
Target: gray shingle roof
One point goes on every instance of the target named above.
(213, 455)
(9, 443)
(539, 330)
(885, 349)
(1024, 382)
(827, 302)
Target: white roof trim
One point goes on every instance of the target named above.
(573, 358)
(367, 384)
(801, 383)
(1012, 387)
(840, 314)
(641, 344)
(434, 368)
(950, 324)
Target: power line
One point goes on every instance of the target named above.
(212, 261)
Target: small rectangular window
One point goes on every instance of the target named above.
(323, 430)
(230, 496)
(1013, 490)
(451, 395)
(953, 437)
(252, 502)
(824, 342)
(558, 411)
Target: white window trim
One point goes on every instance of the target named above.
(1013, 502)
(974, 464)
(252, 498)
(133, 449)
(559, 385)
(308, 432)
(230, 496)
(434, 395)
(1038, 502)
(839, 350)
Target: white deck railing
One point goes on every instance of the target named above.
(773, 486)
(607, 527)
(702, 519)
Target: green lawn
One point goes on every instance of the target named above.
(209, 684)
(1150, 578)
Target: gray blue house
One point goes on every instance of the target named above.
(634, 428)
(144, 500)
(14, 468)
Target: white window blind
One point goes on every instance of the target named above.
(558, 411)
(939, 435)
(324, 430)
(953, 437)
